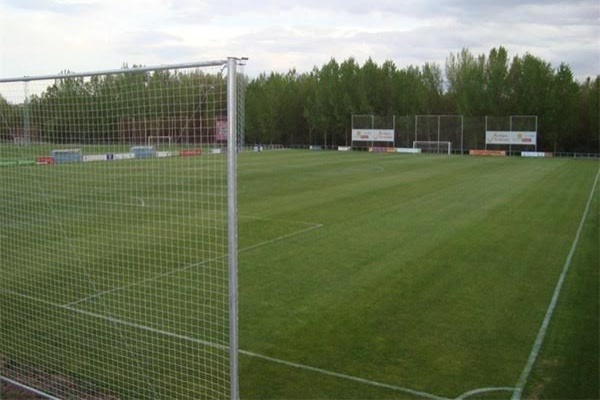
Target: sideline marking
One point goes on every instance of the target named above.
(539, 340)
(484, 390)
(344, 376)
(311, 226)
(260, 356)
(226, 348)
(29, 388)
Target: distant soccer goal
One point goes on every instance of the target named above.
(436, 147)
(442, 129)
(159, 140)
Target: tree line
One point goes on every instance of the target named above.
(316, 107)
(128, 107)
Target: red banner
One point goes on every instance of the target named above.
(45, 160)
(190, 153)
(495, 153)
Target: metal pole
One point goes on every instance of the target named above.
(486, 128)
(536, 128)
(394, 126)
(232, 223)
(26, 119)
(115, 71)
(510, 129)
(462, 134)
(438, 136)
(416, 125)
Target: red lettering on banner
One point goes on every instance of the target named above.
(45, 160)
(190, 153)
(496, 153)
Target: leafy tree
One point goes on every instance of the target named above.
(531, 80)
(496, 87)
(316, 107)
(563, 109)
(465, 74)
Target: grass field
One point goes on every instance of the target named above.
(361, 275)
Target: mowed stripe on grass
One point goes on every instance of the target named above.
(430, 272)
(427, 273)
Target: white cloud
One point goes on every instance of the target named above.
(47, 36)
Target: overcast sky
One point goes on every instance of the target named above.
(49, 36)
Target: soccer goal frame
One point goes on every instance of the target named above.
(98, 201)
(159, 140)
(437, 147)
(440, 128)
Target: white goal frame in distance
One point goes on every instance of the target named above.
(416, 144)
(439, 119)
(150, 142)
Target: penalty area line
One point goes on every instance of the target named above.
(193, 265)
(539, 340)
(282, 237)
(223, 347)
(343, 376)
(484, 390)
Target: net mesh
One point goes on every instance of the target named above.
(433, 147)
(440, 128)
(113, 232)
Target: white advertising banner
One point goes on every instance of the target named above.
(95, 157)
(511, 137)
(373, 135)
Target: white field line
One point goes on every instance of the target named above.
(28, 388)
(344, 376)
(146, 280)
(484, 390)
(197, 264)
(539, 340)
(217, 346)
(311, 226)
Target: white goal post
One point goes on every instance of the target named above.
(428, 146)
(158, 140)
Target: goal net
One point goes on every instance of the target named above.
(118, 260)
(433, 147)
(373, 131)
(511, 132)
(440, 128)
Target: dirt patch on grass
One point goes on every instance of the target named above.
(46, 382)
